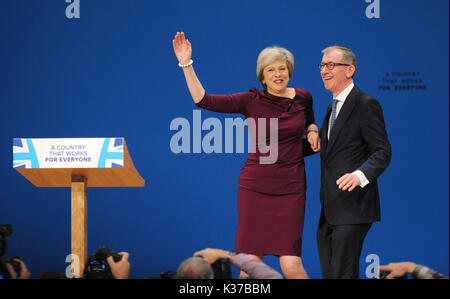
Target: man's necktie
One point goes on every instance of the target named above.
(333, 113)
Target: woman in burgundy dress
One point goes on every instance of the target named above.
(271, 191)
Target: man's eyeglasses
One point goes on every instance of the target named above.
(331, 65)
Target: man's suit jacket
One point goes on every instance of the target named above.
(358, 140)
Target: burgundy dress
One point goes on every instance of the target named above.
(271, 197)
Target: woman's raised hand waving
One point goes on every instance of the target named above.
(182, 48)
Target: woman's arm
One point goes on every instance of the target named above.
(183, 50)
(312, 134)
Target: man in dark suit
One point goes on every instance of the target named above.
(355, 150)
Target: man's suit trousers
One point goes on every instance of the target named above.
(340, 248)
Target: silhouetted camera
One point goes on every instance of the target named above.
(222, 269)
(384, 274)
(5, 231)
(97, 267)
(168, 275)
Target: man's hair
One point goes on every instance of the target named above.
(195, 268)
(347, 55)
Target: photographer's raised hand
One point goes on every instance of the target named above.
(212, 255)
(121, 269)
(24, 273)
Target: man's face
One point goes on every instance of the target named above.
(337, 79)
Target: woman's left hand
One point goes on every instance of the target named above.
(314, 140)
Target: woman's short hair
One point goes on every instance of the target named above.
(271, 54)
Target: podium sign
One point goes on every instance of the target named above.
(68, 153)
(76, 163)
(52, 162)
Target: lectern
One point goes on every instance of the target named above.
(78, 163)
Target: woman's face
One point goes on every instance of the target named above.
(276, 77)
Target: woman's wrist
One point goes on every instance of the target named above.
(311, 130)
(187, 64)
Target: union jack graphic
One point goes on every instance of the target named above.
(24, 154)
(111, 155)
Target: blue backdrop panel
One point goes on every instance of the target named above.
(112, 72)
